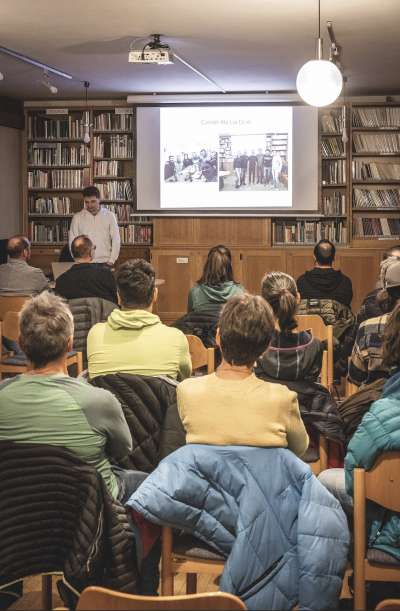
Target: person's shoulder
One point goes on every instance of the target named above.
(85, 394)
(196, 383)
(97, 329)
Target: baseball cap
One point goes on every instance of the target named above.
(390, 273)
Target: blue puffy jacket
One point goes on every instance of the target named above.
(284, 535)
(378, 432)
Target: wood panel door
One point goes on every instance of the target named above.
(256, 263)
(362, 266)
(177, 268)
(298, 261)
(173, 232)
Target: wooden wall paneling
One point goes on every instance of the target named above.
(213, 231)
(362, 266)
(298, 261)
(44, 257)
(174, 232)
(256, 263)
(253, 232)
(177, 268)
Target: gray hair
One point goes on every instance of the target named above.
(45, 326)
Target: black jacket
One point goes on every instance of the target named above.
(56, 514)
(150, 408)
(87, 280)
(202, 324)
(325, 283)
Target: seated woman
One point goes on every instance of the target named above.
(208, 295)
(233, 406)
(366, 364)
(378, 432)
(295, 359)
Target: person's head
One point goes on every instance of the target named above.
(391, 340)
(203, 153)
(392, 252)
(389, 296)
(46, 329)
(280, 291)
(324, 253)
(82, 248)
(136, 285)
(178, 159)
(245, 328)
(91, 199)
(19, 247)
(171, 158)
(218, 267)
(185, 156)
(208, 171)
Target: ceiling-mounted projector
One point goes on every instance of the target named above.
(155, 52)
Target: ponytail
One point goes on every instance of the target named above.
(287, 311)
(391, 340)
(280, 291)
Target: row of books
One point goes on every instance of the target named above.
(384, 116)
(55, 179)
(115, 189)
(373, 170)
(331, 122)
(333, 172)
(136, 234)
(58, 154)
(43, 127)
(122, 211)
(108, 168)
(376, 198)
(113, 146)
(50, 205)
(308, 232)
(332, 147)
(109, 121)
(334, 203)
(376, 143)
(375, 227)
(49, 232)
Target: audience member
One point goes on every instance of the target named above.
(45, 405)
(216, 284)
(366, 364)
(133, 340)
(324, 282)
(85, 278)
(17, 276)
(378, 432)
(232, 406)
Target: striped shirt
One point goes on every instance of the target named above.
(366, 364)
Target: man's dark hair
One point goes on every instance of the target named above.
(246, 325)
(16, 246)
(324, 252)
(136, 282)
(91, 191)
(81, 247)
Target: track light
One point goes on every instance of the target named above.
(86, 124)
(1, 76)
(46, 83)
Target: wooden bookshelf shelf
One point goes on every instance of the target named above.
(330, 134)
(340, 185)
(376, 182)
(325, 158)
(113, 159)
(372, 210)
(49, 215)
(52, 140)
(377, 130)
(376, 154)
(49, 190)
(57, 167)
(112, 178)
(112, 131)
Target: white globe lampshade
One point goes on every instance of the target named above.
(319, 82)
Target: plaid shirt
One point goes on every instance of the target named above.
(366, 360)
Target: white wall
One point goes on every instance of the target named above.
(10, 181)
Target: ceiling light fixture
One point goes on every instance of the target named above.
(319, 82)
(86, 125)
(46, 82)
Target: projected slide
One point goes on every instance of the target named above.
(226, 157)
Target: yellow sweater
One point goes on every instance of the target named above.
(247, 412)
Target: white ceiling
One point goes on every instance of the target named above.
(247, 45)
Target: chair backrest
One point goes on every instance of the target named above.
(323, 332)
(389, 604)
(12, 303)
(101, 598)
(9, 326)
(382, 482)
(200, 355)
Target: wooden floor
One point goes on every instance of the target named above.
(31, 600)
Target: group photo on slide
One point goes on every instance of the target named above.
(199, 166)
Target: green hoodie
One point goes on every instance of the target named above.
(136, 341)
(203, 297)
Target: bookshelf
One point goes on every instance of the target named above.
(58, 165)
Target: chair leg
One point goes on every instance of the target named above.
(167, 575)
(47, 593)
(191, 583)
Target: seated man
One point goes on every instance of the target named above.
(85, 278)
(134, 340)
(233, 406)
(324, 282)
(17, 276)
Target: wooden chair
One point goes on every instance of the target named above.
(200, 355)
(12, 303)
(9, 327)
(189, 556)
(350, 388)
(315, 324)
(381, 485)
(389, 604)
(101, 598)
